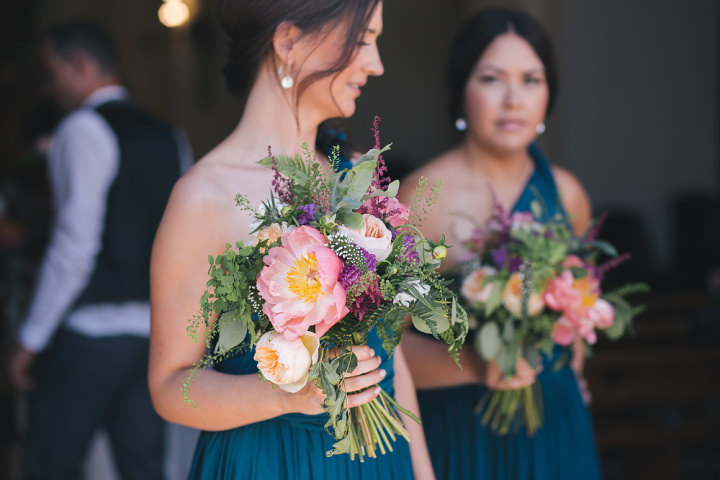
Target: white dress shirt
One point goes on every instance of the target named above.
(82, 163)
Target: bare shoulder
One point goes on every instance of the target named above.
(574, 197)
(437, 168)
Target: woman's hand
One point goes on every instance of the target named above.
(309, 400)
(524, 376)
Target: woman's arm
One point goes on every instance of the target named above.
(432, 366)
(405, 396)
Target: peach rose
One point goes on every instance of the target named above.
(286, 363)
(512, 297)
(472, 287)
(373, 236)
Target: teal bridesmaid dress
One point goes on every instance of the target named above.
(291, 446)
(562, 449)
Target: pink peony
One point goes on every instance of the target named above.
(561, 294)
(563, 332)
(300, 284)
(601, 314)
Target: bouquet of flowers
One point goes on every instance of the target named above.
(532, 285)
(334, 256)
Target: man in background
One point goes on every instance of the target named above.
(83, 347)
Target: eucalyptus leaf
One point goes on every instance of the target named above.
(372, 154)
(350, 219)
(532, 356)
(507, 358)
(231, 333)
(495, 297)
(488, 340)
(357, 181)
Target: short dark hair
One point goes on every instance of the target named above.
(477, 33)
(84, 37)
(251, 24)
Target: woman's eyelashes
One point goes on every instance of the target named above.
(527, 80)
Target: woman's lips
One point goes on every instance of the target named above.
(511, 124)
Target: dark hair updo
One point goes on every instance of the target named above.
(251, 24)
(478, 33)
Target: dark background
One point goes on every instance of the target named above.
(637, 120)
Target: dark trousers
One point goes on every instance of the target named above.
(85, 383)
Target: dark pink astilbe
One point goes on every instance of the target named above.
(377, 206)
(592, 234)
(605, 267)
(280, 184)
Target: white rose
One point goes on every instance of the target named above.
(373, 236)
(286, 363)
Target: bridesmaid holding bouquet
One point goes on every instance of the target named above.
(502, 85)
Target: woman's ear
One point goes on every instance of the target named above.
(284, 40)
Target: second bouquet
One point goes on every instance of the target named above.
(335, 256)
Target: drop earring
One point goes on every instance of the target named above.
(286, 81)
(460, 124)
(540, 129)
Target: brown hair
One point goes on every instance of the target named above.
(251, 24)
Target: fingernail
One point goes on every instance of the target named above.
(372, 352)
(377, 390)
(383, 373)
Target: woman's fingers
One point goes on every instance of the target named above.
(357, 399)
(365, 366)
(353, 384)
(362, 352)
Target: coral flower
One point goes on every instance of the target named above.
(300, 284)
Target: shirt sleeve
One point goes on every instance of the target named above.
(82, 164)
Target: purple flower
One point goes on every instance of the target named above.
(308, 215)
(350, 274)
(499, 257)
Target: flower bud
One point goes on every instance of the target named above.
(439, 252)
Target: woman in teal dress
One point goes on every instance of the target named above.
(297, 63)
(502, 84)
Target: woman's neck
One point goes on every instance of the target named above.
(492, 165)
(270, 120)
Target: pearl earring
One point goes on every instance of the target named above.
(287, 81)
(460, 124)
(540, 129)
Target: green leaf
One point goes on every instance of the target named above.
(507, 358)
(231, 333)
(495, 297)
(357, 181)
(292, 167)
(441, 321)
(350, 219)
(578, 272)
(488, 340)
(532, 356)
(391, 191)
(372, 154)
